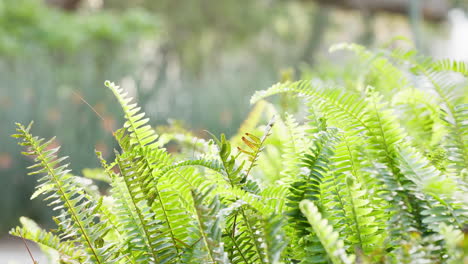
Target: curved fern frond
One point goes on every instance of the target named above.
(451, 65)
(212, 165)
(47, 241)
(346, 110)
(315, 165)
(156, 247)
(294, 147)
(244, 237)
(447, 89)
(329, 239)
(141, 133)
(255, 145)
(307, 186)
(78, 210)
(385, 134)
(209, 225)
(357, 218)
(438, 188)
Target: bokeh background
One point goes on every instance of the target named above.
(194, 63)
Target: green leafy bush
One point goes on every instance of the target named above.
(373, 174)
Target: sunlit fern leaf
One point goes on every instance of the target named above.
(455, 243)
(122, 212)
(385, 134)
(255, 145)
(146, 232)
(451, 94)
(209, 164)
(209, 226)
(47, 241)
(307, 186)
(294, 146)
(148, 164)
(262, 237)
(141, 133)
(233, 173)
(173, 211)
(459, 135)
(366, 218)
(419, 113)
(137, 136)
(451, 65)
(344, 109)
(78, 219)
(329, 239)
(186, 178)
(234, 194)
(243, 237)
(437, 188)
(358, 219)
(275, 197)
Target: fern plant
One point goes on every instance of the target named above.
(347, 183)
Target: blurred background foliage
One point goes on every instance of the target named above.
(198, 61)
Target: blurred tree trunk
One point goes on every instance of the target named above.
(431, 10)
(69, 5)
(319, 20)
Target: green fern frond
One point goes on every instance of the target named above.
(294, 146)
(244, 237)
(145, 233)
(419, 111)
(455, 243)
(47, 240)
(346, 110)
(439, 190)
(315, 165)
(209, 226)
(307, 186)
(357, 218)
(451, 65)
(448, 90)
(459, 136)
(136, 135)
(209, 164)
(79, 211)
(274, 238)
(141, 134)
(255, 145)
(275, 197)
(329, 239)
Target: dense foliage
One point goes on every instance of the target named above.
(372, 168)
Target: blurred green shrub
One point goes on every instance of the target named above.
(48, 60)
(28, 25)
